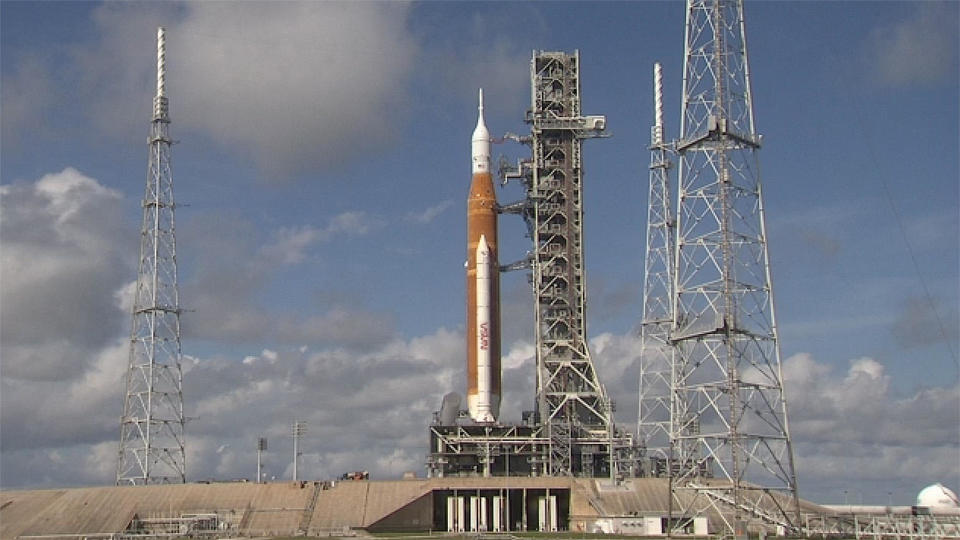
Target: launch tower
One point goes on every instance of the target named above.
(152, 425)
(571, 432)
(571, 403)
(730, 449)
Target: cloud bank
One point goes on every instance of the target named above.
(294, 86)
(62, 262)
(852, 433)
(365, 392)
(918, 50)
(300, 84)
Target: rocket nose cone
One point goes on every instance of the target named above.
(482, 245)
(481, 134)
(480, 143)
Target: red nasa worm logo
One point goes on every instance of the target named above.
(484, 336)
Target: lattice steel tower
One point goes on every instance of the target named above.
(572, 405)
(152, 425)
(730, 444)
(656, 351)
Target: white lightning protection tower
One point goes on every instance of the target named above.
(152, 425)
(729, 449)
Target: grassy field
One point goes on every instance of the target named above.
(487, 536)
(492, 536)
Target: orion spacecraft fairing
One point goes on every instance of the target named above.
(483, 284)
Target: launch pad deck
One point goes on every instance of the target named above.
(634, 506)
(522, 450)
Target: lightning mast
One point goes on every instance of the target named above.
(152, 425)
(730, 443)
(656, 352)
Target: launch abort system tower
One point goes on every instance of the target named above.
(151, 428)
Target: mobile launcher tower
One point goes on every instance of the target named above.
(571, 432)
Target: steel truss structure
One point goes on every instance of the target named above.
(656, 352)
(152, 425)
(486, 450)
(469, 449)
(571, 404)
(729, 441)
(892, 526)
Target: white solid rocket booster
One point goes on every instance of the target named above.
(484, 409)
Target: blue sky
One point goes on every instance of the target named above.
(322, 167)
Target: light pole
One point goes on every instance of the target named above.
(261, 447)
(299, 429)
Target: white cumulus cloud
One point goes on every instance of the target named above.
(291, 244)
(852, 431)
(65, 253)
(427, 216)
(920, 49)
(295, 86)
(298, 84)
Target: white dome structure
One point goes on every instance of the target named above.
(938, 497)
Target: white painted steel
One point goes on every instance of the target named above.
(161, 62)
(656, 353)
(478, 514)
(658, 103)
(728, 409)
(481, 408)
(451, 514)
(548, 513)
(455, 514)
(474, 512)
(152, 447)
(572, 403)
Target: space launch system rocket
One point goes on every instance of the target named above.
(483, 284)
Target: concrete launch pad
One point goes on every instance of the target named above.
(461, 504)
(313, 508)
